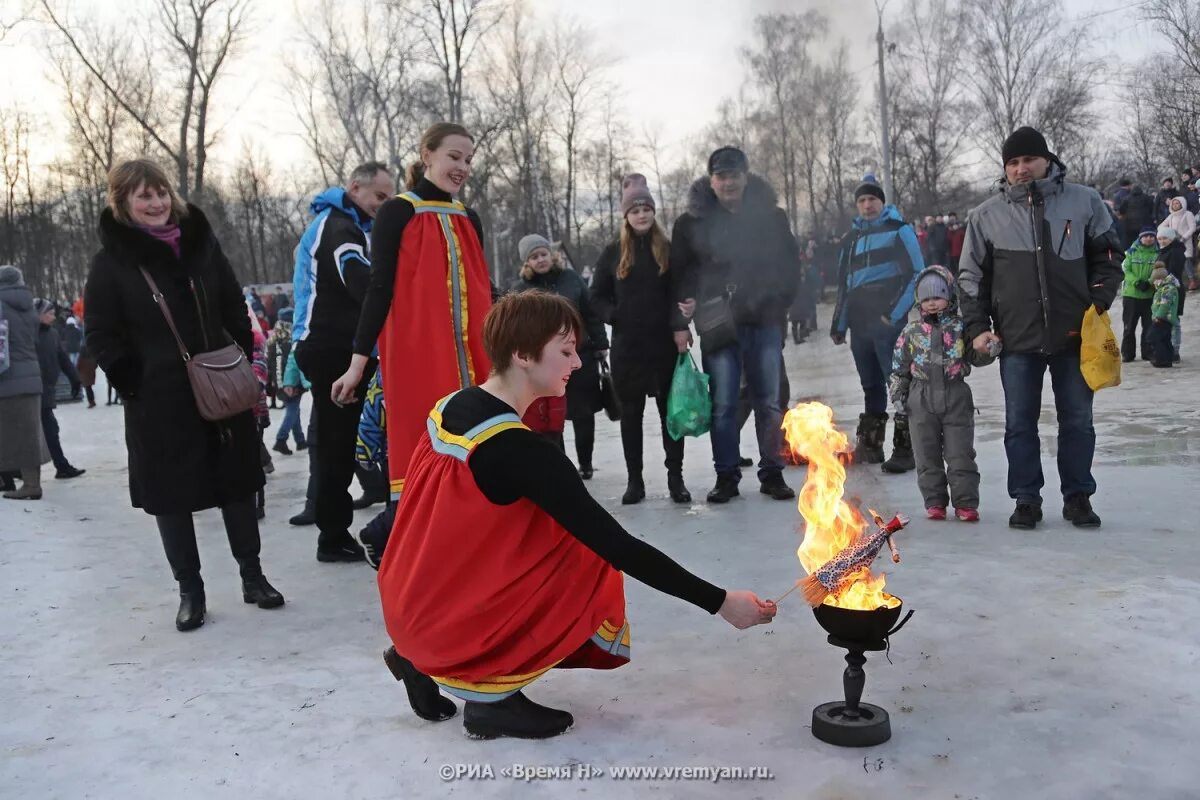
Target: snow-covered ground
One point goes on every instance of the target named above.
(1056, 664)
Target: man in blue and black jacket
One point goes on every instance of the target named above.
(878, 266)
(333, 264)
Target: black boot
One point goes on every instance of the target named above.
(305, 517)
(339, 548)
(635, 491)
(679, 492)
(1078, 509)
(191, 610)
(774, 486)
(1025, 517)
(516, 716)
(281, 446)
(868, 446)
(255, 589)
(902, 454)
(423, 694)
(725, 490)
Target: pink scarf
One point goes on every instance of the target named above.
(168, 234)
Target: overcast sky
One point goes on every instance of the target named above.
(673, 60)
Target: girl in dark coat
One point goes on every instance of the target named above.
(631, 292)
(542, 269)
(179, 463)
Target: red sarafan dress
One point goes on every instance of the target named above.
(486, 598)
(432, 342)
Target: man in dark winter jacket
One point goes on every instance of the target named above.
(937, 241)
(877, 272)
(1136, 211)
(53, 361)
(330, 281)
(1162, 205)
(1036, 256)
(735, 266)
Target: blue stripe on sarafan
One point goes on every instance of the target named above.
(445, 448)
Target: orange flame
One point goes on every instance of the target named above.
(830, 524)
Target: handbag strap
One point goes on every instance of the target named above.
(161, 302)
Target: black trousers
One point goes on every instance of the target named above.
(178, 534)
(335, 437)
(50, 430)
(632, 411)
(1133, 311)
(585, 438)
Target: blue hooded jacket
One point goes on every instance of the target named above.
(877, 271)
(332, 267)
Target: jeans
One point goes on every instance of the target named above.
(50, 431)
(291, 421)
(757, 351)
(1022, 375)
(872, 345)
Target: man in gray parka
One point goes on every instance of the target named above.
(1035, 257)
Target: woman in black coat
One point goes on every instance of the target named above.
(179, 463)
(631, 292)
(542, 269)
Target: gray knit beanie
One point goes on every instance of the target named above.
(932, 287)
(635, 192)
(11, 276)
(530, 243)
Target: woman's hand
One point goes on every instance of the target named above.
(743, 609)
(683, 341)
(344, 387)
(687, 308)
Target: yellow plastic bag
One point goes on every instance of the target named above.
(1099, 356)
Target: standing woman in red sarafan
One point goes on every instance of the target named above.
(426, 301)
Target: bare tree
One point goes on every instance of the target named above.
(1026, 69)
(200, 35)
(452, 30)
(358, 90)
(935, 109)
(576, 78)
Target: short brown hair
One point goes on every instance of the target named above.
(125, 178)
(524, 322)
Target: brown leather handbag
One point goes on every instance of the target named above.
(223, 380)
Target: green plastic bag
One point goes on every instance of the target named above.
(689, 406)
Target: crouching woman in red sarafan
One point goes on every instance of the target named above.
(501, 566)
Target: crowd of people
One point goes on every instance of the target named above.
(449, 396)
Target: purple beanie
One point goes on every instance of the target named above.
(634, 192)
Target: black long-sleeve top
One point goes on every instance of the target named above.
(520, 463)
(386, 234)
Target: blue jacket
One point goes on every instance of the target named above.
(877, 271)
(332, 268)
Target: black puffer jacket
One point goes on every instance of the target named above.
(753, 250)
(1034, 258)
(638, 307)
(178, 462)
(583, 390)
(53, 362)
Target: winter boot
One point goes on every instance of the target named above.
(1025, 517)
(423, 694)
(255, 589)
(902, 453)
(726, 488)
(773, 485)
(1078, 509)
(305, 517)
(679, 493)
(516, 716)
(191, 610)
(7, 482)
(31, 485)
(281, 446)
(635, 491)
(868, 445)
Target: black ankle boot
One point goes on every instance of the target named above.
(635, 491)
(423, 694)
(516, 716)
(679, 493)
(902, 453)
(255, 589)
(191, 610)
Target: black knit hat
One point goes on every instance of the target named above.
(728, 159)
(869, 186)
(1025, 142)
